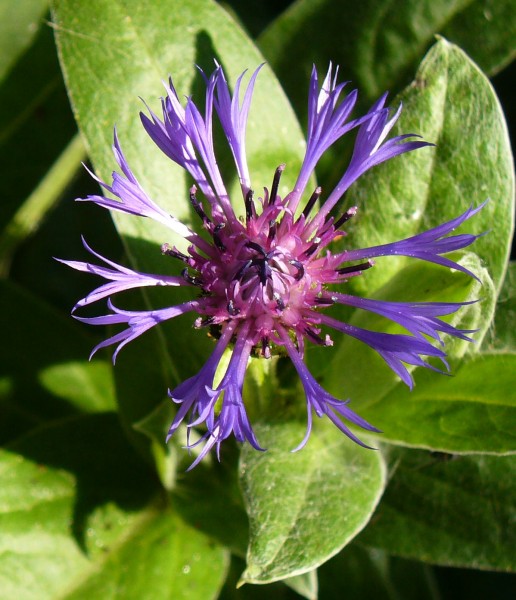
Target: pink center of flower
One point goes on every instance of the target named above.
(268, 272)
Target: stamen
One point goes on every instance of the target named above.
(243, 270)
(216, 236)
(190, 278)
(249, 206)
(300, 269)
(356, 268)
(266, 349)
(197, 206)
(315, 337)
(325, 300)
(346, 217)
(232, 310)
(173, 252)
(257, 247)
(311, 203)
(264, 271)
(275, 184)
(206, 322)
(313, 248)
(279, 301)
(272, 230)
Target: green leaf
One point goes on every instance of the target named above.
(502, 335)
(33, 106)
(456, 512)
(139, 47)
(433, 192)
(221, 514)
(223, 518)
(452, 104)
(472, 411)
(111, 54)
(304, 507)
(81, 518)
(378, 43)
(438, 405)
(43, 379)
(19, 21)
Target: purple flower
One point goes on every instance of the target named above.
(264, 281)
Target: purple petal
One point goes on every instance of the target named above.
(139, 322)
(394, 348)
(427, 245)
(121, 278)
(419, 318)
(322, 402)
(233, 119)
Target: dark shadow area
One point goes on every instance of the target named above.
(96, 452)
(224, 517)
(468, 584)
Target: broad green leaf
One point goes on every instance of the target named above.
(81, 518)
(112, 53)
(377, 394)
(452, 104)
(456, 512)
(19, 21)
(223, 517)
(137, 47)
(221, 514)
(304, 507)
(472, 411)
(378, 43)
(47, 380)
(366, 574)
(155, 426)
(36, 123)
(502, 334)
(164, 559)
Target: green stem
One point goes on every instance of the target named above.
(45, 196)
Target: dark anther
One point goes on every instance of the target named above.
(249, 205)
(197, 206)
(311, 250)
(266, 349)
(345, 217)
(243, 270)
(206, 322)
(275, 184)
(216, 236)
(190, 278)
(355, 268)
(279, 301)
(325, 300)
(300, 269)
(232, 310)
(256, 247)
(314, 337)
(272, 230)
(311, 203)
(264, 271)
(169, 251)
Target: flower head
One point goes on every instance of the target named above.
(265, 282)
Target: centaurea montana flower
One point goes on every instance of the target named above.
(264, 281)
